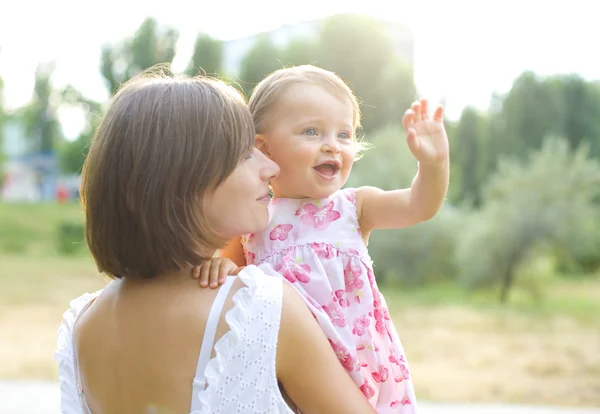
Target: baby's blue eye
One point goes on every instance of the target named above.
(311, 132)
(343, 135)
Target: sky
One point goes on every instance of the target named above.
(465, 50)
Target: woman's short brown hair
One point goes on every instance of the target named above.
(163, 144)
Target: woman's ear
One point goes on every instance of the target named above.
(261, 144)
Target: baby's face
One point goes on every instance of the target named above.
(311, 138)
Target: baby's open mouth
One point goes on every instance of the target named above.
(327, 169)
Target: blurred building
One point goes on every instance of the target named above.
(234, 50)
(27, 176)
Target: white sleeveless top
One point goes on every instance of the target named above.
(241, 378)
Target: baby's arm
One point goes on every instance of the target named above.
(427, 140)
(307, 366)
(234, 252)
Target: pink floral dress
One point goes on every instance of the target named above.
(317, 246)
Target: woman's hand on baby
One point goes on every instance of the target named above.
(214, 271)
(426, 137)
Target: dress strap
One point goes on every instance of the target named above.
(208, 339)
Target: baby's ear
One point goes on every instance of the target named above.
(261, 144)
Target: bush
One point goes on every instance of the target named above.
(417, 255)
(580, 254)
(71, 238)
(542, 204)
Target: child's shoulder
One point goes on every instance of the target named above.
(348, 193)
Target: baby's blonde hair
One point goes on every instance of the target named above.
(267, 93)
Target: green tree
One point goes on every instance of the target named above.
(151, 44)
(468, 154)
(1, 131)
(207, 57)
(531, 110)
(541, 202)
(397, 91)
(72, 154)
(261, 59)
(360, 51)
(301, 51)
(580, 110)
(39, 115)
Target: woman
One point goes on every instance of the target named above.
(170, 176)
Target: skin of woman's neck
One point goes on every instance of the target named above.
(176, 277)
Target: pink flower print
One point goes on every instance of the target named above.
(405, 401)
(361, 347)
(352, 272)
(335, 314)
(293, 271)
(399, 378)
(360, 325)
(351, 196)
(404, 371)
(250, 257)
(343, 355)
(319, 218)
(297, 213)
(379, 321)
(370, 276)
(367, 390)
(381, 375)
(353, 252)
(323, 250)
(339, 296)
(361, 365)
(280, 232)
(393, 358)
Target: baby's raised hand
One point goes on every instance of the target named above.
(214, 271)
(426, 137)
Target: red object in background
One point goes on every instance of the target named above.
(62, 194)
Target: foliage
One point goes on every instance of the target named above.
(39, 115)
(540, 202)
(207, 57)
(261, 59)
(150, 45)
(71, 238)
(2, 116)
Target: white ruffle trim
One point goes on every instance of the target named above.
(237, 318)
(70, 403)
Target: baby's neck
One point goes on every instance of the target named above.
(292, 196)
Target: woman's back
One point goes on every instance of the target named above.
(164, 322)
(126, 328)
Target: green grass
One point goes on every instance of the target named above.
(578, 298)
(34, 228)
(462, 346)
(32, 231)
